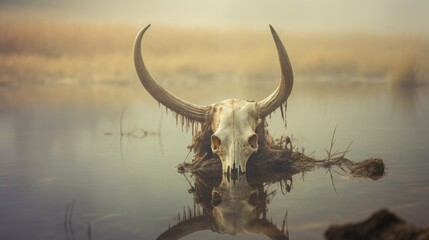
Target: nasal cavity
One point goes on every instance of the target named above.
(253, 141)
(215, 142)
(216, 199)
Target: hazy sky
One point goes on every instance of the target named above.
(411, 16)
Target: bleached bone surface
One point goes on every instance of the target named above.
(234, 138)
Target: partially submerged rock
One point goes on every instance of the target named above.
(382, 225)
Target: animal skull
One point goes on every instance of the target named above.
(233, 121)
(234, 139)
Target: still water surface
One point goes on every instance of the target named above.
(56, 150)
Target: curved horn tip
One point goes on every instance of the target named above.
(273, 32)
(140, 36)
(145, 28)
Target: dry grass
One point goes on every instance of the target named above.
(40, 51)
(406, 70)
(58, 50)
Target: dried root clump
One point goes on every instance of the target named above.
(371, 168)
(201, 143)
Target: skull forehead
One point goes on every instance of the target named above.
(234, 115)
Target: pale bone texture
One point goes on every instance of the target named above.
(234, 138)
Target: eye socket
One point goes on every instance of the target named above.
(216, 199)
(215, 142)
(253, 141)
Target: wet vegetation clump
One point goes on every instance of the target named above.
(276, 157)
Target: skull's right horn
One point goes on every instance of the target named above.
(280, 95)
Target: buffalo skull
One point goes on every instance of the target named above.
(232, 121)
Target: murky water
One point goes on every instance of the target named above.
(61, 146)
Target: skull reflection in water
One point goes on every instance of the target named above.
(235, 206)
(232, 207)
(232, 121)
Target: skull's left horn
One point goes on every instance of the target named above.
(180, 106)
(280, 95)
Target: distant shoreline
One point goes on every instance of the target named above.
(47, 50)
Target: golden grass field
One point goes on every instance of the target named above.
(55, 51)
